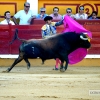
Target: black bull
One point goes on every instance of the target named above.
(57, 46)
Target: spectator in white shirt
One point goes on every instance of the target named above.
(81, 14)
(25, 16)
(7, 19)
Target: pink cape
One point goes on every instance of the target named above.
(72, 26)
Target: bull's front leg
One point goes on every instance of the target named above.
(66, 64)
(62, 67)
(63, 57)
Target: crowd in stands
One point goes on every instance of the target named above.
(26, 15)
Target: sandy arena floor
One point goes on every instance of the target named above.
(43, 83)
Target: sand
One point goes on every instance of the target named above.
(43, 83)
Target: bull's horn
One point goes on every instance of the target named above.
(83, 38)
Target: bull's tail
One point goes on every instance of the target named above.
(16, 37)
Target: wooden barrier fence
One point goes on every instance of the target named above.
(34, 31)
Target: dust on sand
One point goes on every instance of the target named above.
(43, 83)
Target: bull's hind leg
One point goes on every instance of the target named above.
(19, 59)
(28, 63)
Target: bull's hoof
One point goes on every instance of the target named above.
(62, 69)
(28, 67)
(7, 71)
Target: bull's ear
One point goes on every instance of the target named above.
(86, 34)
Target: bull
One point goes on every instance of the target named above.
(56, 46)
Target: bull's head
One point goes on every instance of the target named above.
(85, 40)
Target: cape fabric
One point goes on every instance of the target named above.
(71, 25)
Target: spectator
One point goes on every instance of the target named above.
(42, 14)
(7, 18)
(48, 30)
(56, 15)
(93, 15)
(81, 14)
(25, 16)
(69, 13)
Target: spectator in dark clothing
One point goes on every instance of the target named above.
(93, 15)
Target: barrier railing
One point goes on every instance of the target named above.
(34, 31)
